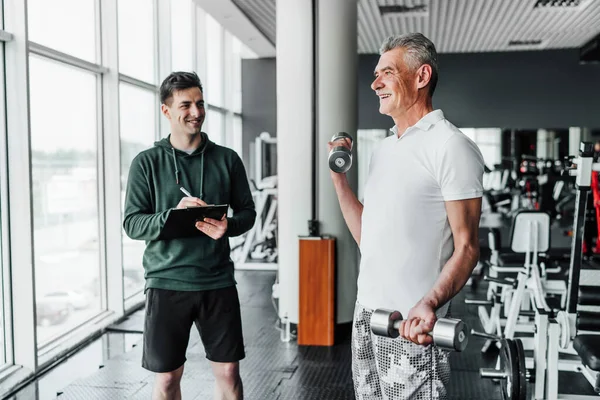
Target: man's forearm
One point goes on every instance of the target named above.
(241, 222)
(140, 226)
(453, 277)
(351, 208)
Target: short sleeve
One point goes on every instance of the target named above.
(460, 172)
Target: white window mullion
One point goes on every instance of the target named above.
(111, 158)
(228, 81)
(200, 47)
(40, 50)
(228, 69)
(5, 36)
(20, 183)
(5, 299)
(163, 54)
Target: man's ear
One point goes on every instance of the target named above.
(165, 110)
(423, 75)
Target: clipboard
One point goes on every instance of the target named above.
(181, 222)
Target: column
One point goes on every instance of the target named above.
(294, 52)
(337, 110)
(302, 161)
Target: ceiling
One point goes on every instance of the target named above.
(460, 26)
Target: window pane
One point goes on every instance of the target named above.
(214, 62)
(3, 282)
(136, 39)
(64, 25)
(182, 49)
(138, 132)
(237, 134)
(214, 126)
(491, 154)
(65, 197)
(237, 75)
(470, 133)
(489, 135)
(489, 142)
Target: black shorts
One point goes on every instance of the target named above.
(169, 318)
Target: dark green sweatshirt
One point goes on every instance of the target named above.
(213, 173)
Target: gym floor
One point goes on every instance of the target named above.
(272, 369)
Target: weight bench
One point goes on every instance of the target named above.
(556, 260)
(588, 346)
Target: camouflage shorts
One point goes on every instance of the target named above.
(385, 368)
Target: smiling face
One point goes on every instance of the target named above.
(185, 111)
(395, 83)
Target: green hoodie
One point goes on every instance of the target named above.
(213, 173)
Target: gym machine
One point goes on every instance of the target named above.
(570, 328)
(257, 249)
(510, 297)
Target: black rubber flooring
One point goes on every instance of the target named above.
(274, 369)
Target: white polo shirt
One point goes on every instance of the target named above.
(405, 236)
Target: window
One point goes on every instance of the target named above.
(214, 126)
(4, 300)
(64, 127)
(214, 62)
(138, 132)
(68, 26)
(237, 74)
(489, 142)
(182, 45)
(236, 143)
(136, 39)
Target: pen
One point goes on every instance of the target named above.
(188, 194)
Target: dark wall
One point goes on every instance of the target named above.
(259, 103)
(524, 90)
(520, 90)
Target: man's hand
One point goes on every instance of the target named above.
(420, 321)
(213, 227)
(190, 202)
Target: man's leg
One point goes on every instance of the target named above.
(364, 368)
(167, 385)
(169, 317)
(220, 325)
(409, 371)
(229, 382)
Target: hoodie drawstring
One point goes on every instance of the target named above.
(175, 164)
(201, 171)
(202, 175)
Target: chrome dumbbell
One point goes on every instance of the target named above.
(449, 334)
(340, 157)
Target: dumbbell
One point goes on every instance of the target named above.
(340, 157)
(449, 334)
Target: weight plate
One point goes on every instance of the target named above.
(509, 387)
(522, 370)
(565, 332)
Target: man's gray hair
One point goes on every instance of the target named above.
(419, 51)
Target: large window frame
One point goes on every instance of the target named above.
(24, 359)
(6, 350)
(47, 351)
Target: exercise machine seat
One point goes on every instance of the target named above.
(588, 348)
(507, 257)
(589, 296)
